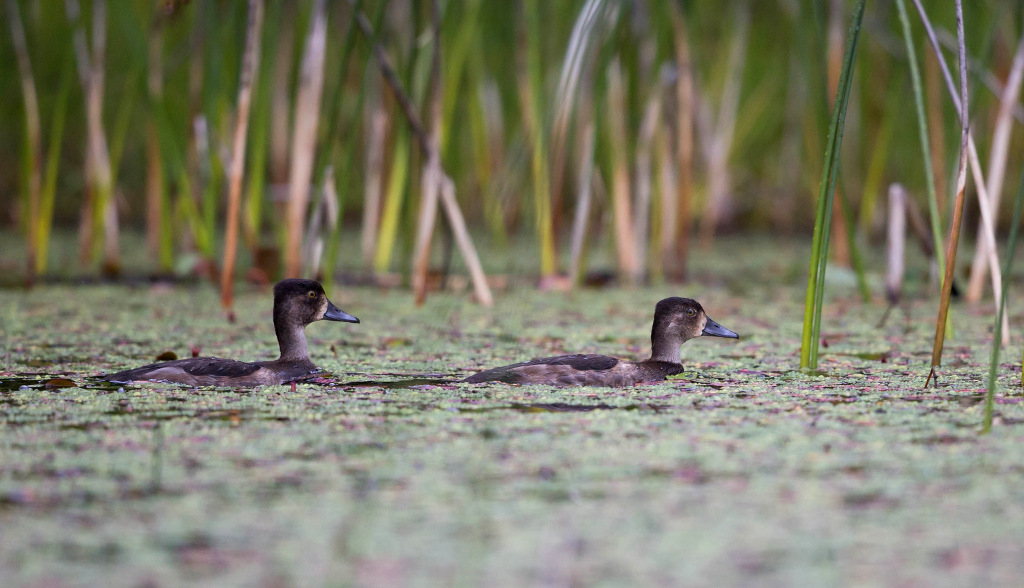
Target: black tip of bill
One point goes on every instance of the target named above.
(716, 330)
(336, 314)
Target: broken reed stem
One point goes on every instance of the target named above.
(49, 189)
(104, 211)
(996, 176)
(374, 184)
(958, 206)
(98, 210)
(987, 229)
(431, 183)
(566, 97)
(532, 90)
(684, 147)
(307, 109)
(250, 68)
(620, 188)
(896, 237)
(723, 129)
(155, 193)
(819, 244)
(975, 167)
(448, 200)
(32, 165)
(584, 195)
(993, 368)
(644, 183)
(934, 214)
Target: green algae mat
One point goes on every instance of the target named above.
(385, 471)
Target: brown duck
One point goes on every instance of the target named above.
(676, 320)
(296, 304)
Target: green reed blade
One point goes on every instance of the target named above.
(819, 245)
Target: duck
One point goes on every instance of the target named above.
(297, 303)
(676, 321)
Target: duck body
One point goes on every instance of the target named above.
(297, 303)
(676, 320)
(580, 370)
(217, 371)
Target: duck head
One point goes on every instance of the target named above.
(676, 321)
(296, 304)
(304, 302)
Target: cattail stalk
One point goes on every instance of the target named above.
(249, 70)
(307, 115)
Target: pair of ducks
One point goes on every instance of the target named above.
(298, 303)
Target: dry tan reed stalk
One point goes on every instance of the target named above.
(987, 234)
(972, 152)
(566, 96)
(154, 160)
(644, 183)
(81, 52)
(374, 185)
(106, 207)
(431, 182)
(99, 208)
(625, 243)
(584, 196)
(718, 130)
(448, 200)
(996, 175)
(32, 134)
(668, 208)
(988, 78)
(322, 220)
(896, 236)
(961, 186)
(307, 115)
(249, 70)
(680, 235)
(280, 101)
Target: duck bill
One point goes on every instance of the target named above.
(336, 314)
(716, 330)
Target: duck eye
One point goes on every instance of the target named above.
(311, 294)
(691, 312)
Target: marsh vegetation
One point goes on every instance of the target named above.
(488, 182)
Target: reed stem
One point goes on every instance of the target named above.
(958, 206)
(819, 244)
(993, 368)
(250, 68)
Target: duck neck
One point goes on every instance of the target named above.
(664, 347)
(291, 338)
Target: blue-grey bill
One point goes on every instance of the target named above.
(716, 330)
(336, 314)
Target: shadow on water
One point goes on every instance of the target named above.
(410, 383)
(563, 407)
(50, 383)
